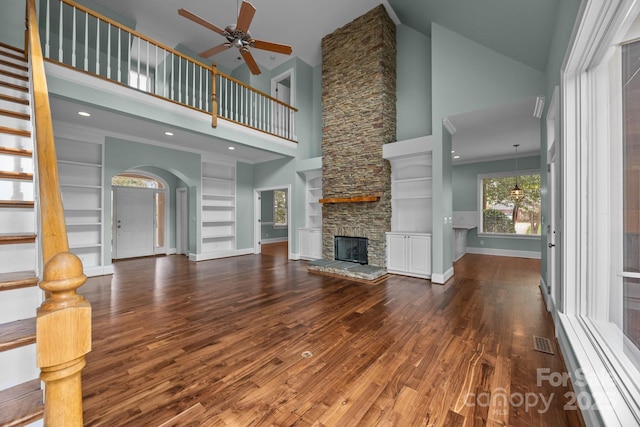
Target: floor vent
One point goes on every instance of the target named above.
(542, 344)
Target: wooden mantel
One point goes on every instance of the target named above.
(355, 199)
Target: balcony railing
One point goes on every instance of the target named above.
(78, 37)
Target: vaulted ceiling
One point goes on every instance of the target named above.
(519, 29)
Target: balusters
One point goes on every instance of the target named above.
(73, 39)
(119, 55)
(60, 38)
(86, 41)
(198, 86)
(97, 46)
(109, 50)
(148, 83)
(47, 25)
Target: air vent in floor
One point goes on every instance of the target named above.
(542, 344)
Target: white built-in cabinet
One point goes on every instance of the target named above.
(218, 216)
(310, 236)
(310, 241)
(409, 242)
(80, 167)
(409, 254)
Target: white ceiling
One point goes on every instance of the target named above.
(135, 129)
(490, 134)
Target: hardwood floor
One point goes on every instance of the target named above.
(225, 342)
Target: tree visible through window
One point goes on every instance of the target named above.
(504, 214)
(280, 208)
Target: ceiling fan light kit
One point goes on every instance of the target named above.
(238, 36)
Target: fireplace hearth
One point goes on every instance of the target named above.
(351, 249)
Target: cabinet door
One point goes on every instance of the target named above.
(316, 244)
(396, 252)
(419, 254)
(304, 240)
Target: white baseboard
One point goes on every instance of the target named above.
(441, 279)
(504, 252)
(172, 251)
(274, 240)
(220, 254)
(295, 257)
(102, 270)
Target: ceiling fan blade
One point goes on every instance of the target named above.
(195, 18)
(247, 10)
(251, 63)
(273, 47)
(215, 50)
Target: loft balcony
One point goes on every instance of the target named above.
(77, 37)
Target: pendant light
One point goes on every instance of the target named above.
(517, 192)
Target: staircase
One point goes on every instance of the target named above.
(21, 395)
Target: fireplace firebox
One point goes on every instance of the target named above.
(352, 249)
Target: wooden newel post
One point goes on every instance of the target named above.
(214, 97)
(63, 330)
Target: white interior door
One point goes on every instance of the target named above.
(134, 222)
(554, 290)
(281, 116)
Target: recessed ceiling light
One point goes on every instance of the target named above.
(84, 114)
(232, 148)
(168, 133)
(453, 151)
(456, 157)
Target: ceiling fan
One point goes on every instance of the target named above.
(238, 36)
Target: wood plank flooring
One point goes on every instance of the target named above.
(224, 343)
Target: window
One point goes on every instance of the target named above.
(279, 208)
(631, 191)
(500, 213)
(139, 81)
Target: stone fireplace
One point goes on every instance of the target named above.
(359, 117)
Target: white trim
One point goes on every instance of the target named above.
(172, 251)
(480, 178)
(257, 213)
(220, 254)
(583, 323)
(441, 279)
(99, 270)
(275, 240)
(504, 252)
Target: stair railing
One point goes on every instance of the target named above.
(78, 37)
(63, 323)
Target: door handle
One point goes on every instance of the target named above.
(551, 245)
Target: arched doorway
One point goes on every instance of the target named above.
(139, 215)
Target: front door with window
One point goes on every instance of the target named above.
(133, 222)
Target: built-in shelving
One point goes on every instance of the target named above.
(411, 194)
(310, 236)
(80, 167)
(218, 215)
(409, 242)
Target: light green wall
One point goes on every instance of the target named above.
(121, 155)
(466, 76)
(567, 12)
(465, 198)
(12, 23)
(244, 205)
(413, 85)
